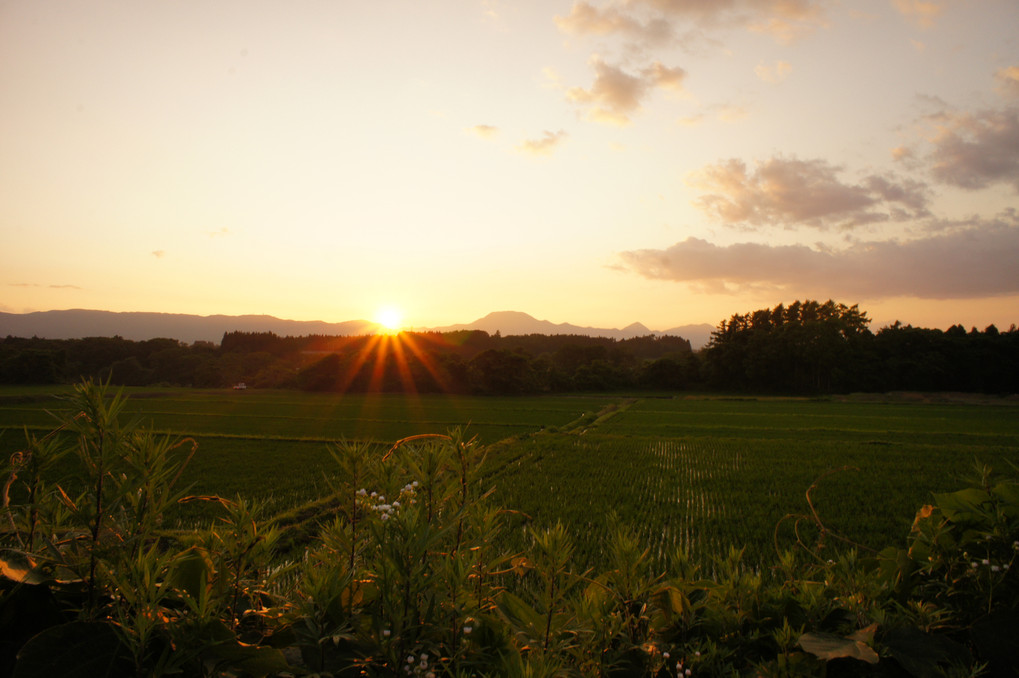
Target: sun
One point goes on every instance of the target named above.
(390, 318)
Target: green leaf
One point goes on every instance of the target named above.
(192, 571)
(963, 504)
(18, 566)
(519, 613)
(829, 646)
(920, 653)
(253, 660)
(75, 650)
(864, 635)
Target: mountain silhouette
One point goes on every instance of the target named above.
(516, 323)
(139, 326)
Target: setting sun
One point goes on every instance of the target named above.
(390, 317)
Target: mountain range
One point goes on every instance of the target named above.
(138, 326)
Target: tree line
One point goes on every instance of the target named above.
(455, 362)
(813, 347)
(807, 347)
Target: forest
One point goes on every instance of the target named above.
(804, 348)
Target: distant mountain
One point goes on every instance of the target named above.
(515, 322)
(77, 323)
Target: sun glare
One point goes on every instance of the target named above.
(390, 318)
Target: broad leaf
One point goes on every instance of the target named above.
(19, 566)
(74, 650)
(829, 646)
(920, 653)
(252, 660)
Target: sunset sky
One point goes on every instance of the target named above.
(599, 163)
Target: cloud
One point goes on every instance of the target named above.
(51, 287)
(903, 154)
(790, 192)
(654, 21)
(976, 150)
(1008, 80)
(616, 94)
(585, 19)
(546, 145)
(773, 74)
(484, 131)
(223, 232)
(159, 254)
(971, 263)
(727, 113)
(923, 13)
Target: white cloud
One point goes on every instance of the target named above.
(1008, 80)
(51, 286)
(615, 94)
(652, 21)
(789, 192)
(976, 150)
(923, 13)
(773, 74)
(586, 19)
(974, 262)
(484, 131)
(545, 145)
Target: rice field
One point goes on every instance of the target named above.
(697, 475)
(702, 495)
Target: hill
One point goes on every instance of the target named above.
(77, 323)
(139, 326)
(517, 323)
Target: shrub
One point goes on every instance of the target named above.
(400, 571)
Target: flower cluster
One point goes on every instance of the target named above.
(377, 502)
(987, 563)
(418, 666)
(681, 668)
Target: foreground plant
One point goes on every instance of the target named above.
(402, 571)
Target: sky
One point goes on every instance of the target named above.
(598, 162)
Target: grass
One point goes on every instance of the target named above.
(698, 474)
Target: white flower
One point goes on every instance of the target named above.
(385, 516)
(424, 657)
(467, 629)
(386, 632)
(396, 504)
(414, 484)
(382, 498)
(666, 655)
(410, 659)
(687, 672)
(362, 492)
(974, 564)
(985, 561)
